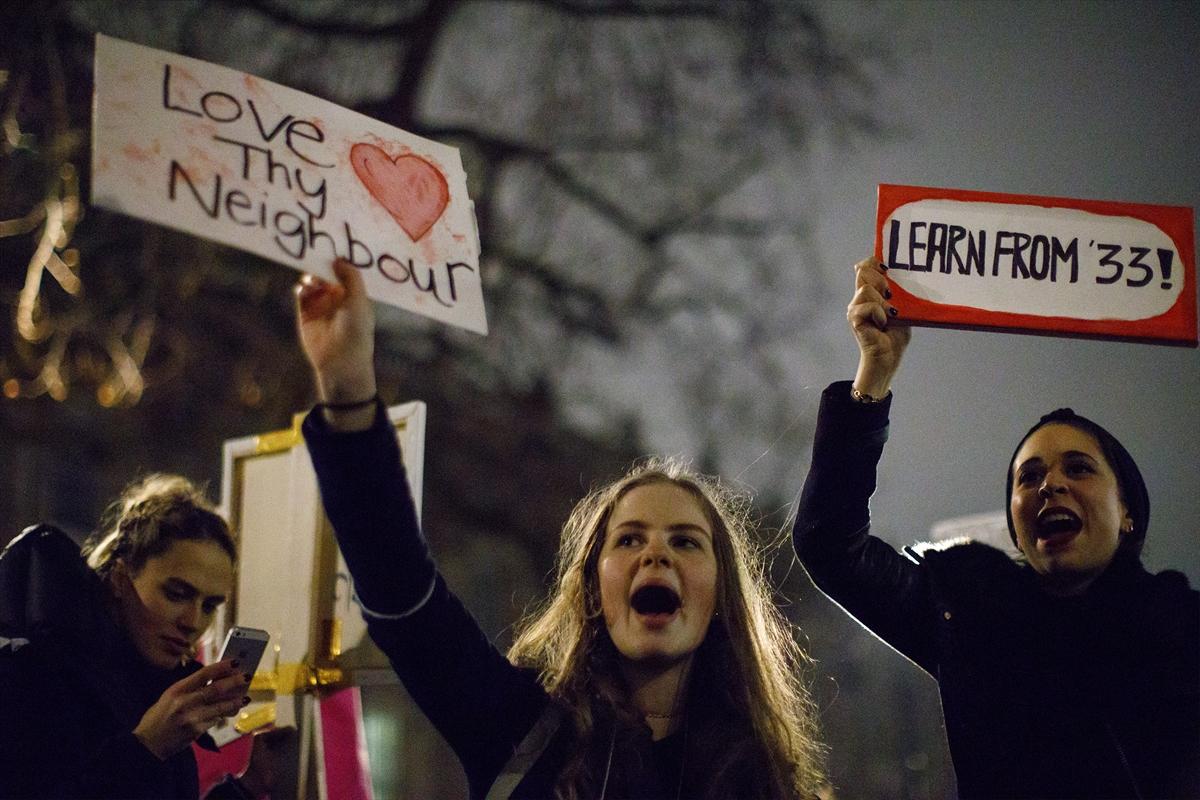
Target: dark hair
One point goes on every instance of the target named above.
(1129, 478)
(150, 516)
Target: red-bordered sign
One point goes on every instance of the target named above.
(1049, 265)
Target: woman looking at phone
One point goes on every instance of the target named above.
(99, 692)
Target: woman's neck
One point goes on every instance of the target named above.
(658, 691)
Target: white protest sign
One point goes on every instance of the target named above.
(245, 162)
(1039, 264)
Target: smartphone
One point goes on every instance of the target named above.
(247, 645)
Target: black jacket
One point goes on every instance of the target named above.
(486, 709)
(1096, 696)
(72, 686)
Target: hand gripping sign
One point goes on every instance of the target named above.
(1039, 264)
(245, 162)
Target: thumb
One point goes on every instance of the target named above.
(349, 275)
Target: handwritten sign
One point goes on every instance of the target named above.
(248, 163)
(1039, 264)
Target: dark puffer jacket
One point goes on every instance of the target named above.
(1096, 696)
(72, 686)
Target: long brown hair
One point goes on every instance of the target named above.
(762, 719)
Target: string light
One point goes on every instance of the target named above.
(47, 341)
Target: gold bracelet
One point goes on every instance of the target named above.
(859, 397)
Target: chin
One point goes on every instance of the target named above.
(163, 660)
(657, 657)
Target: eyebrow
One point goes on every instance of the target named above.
(181, 584)
(678, 527)
(1067, 454)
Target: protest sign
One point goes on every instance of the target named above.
(1039, 264)
(245, 162)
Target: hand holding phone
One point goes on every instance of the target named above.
(190, 706)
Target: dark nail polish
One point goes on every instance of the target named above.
(892, 311)
(234, 663)
(246, 700)
(246, 677)
(887, 294)
(883, 266)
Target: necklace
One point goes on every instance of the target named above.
(612, 742)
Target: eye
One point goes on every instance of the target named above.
(174, 595)
(685, 542)
(627, 539)
(210, 606)
(1028, 476)
(1079, 468)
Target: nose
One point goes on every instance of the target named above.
(1051, 485)
(189, 619)
(656, 554)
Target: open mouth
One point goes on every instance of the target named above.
(1057, 522)
(652, 600)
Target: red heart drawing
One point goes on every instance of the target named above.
(412, 190)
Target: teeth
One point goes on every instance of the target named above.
(1058, 517)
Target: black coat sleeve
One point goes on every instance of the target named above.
(481, 704)
(882, 589)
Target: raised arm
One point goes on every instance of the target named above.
(881, 588)
(477, 700)
(361, 476)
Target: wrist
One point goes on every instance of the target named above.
(145, 741)
(356, 412)
(872, 387)
(872, 379)
(866, 398)
(334, 392)
(349, 405)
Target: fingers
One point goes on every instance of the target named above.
(317, 299)
(232, 686)
(349, 275)
(870, 272)
(216, 685)
(231, 707)
(191, 706)
(866, 313)
(869, 306)
(205, 675)
(223, 698)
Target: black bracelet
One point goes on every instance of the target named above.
(351, 405)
